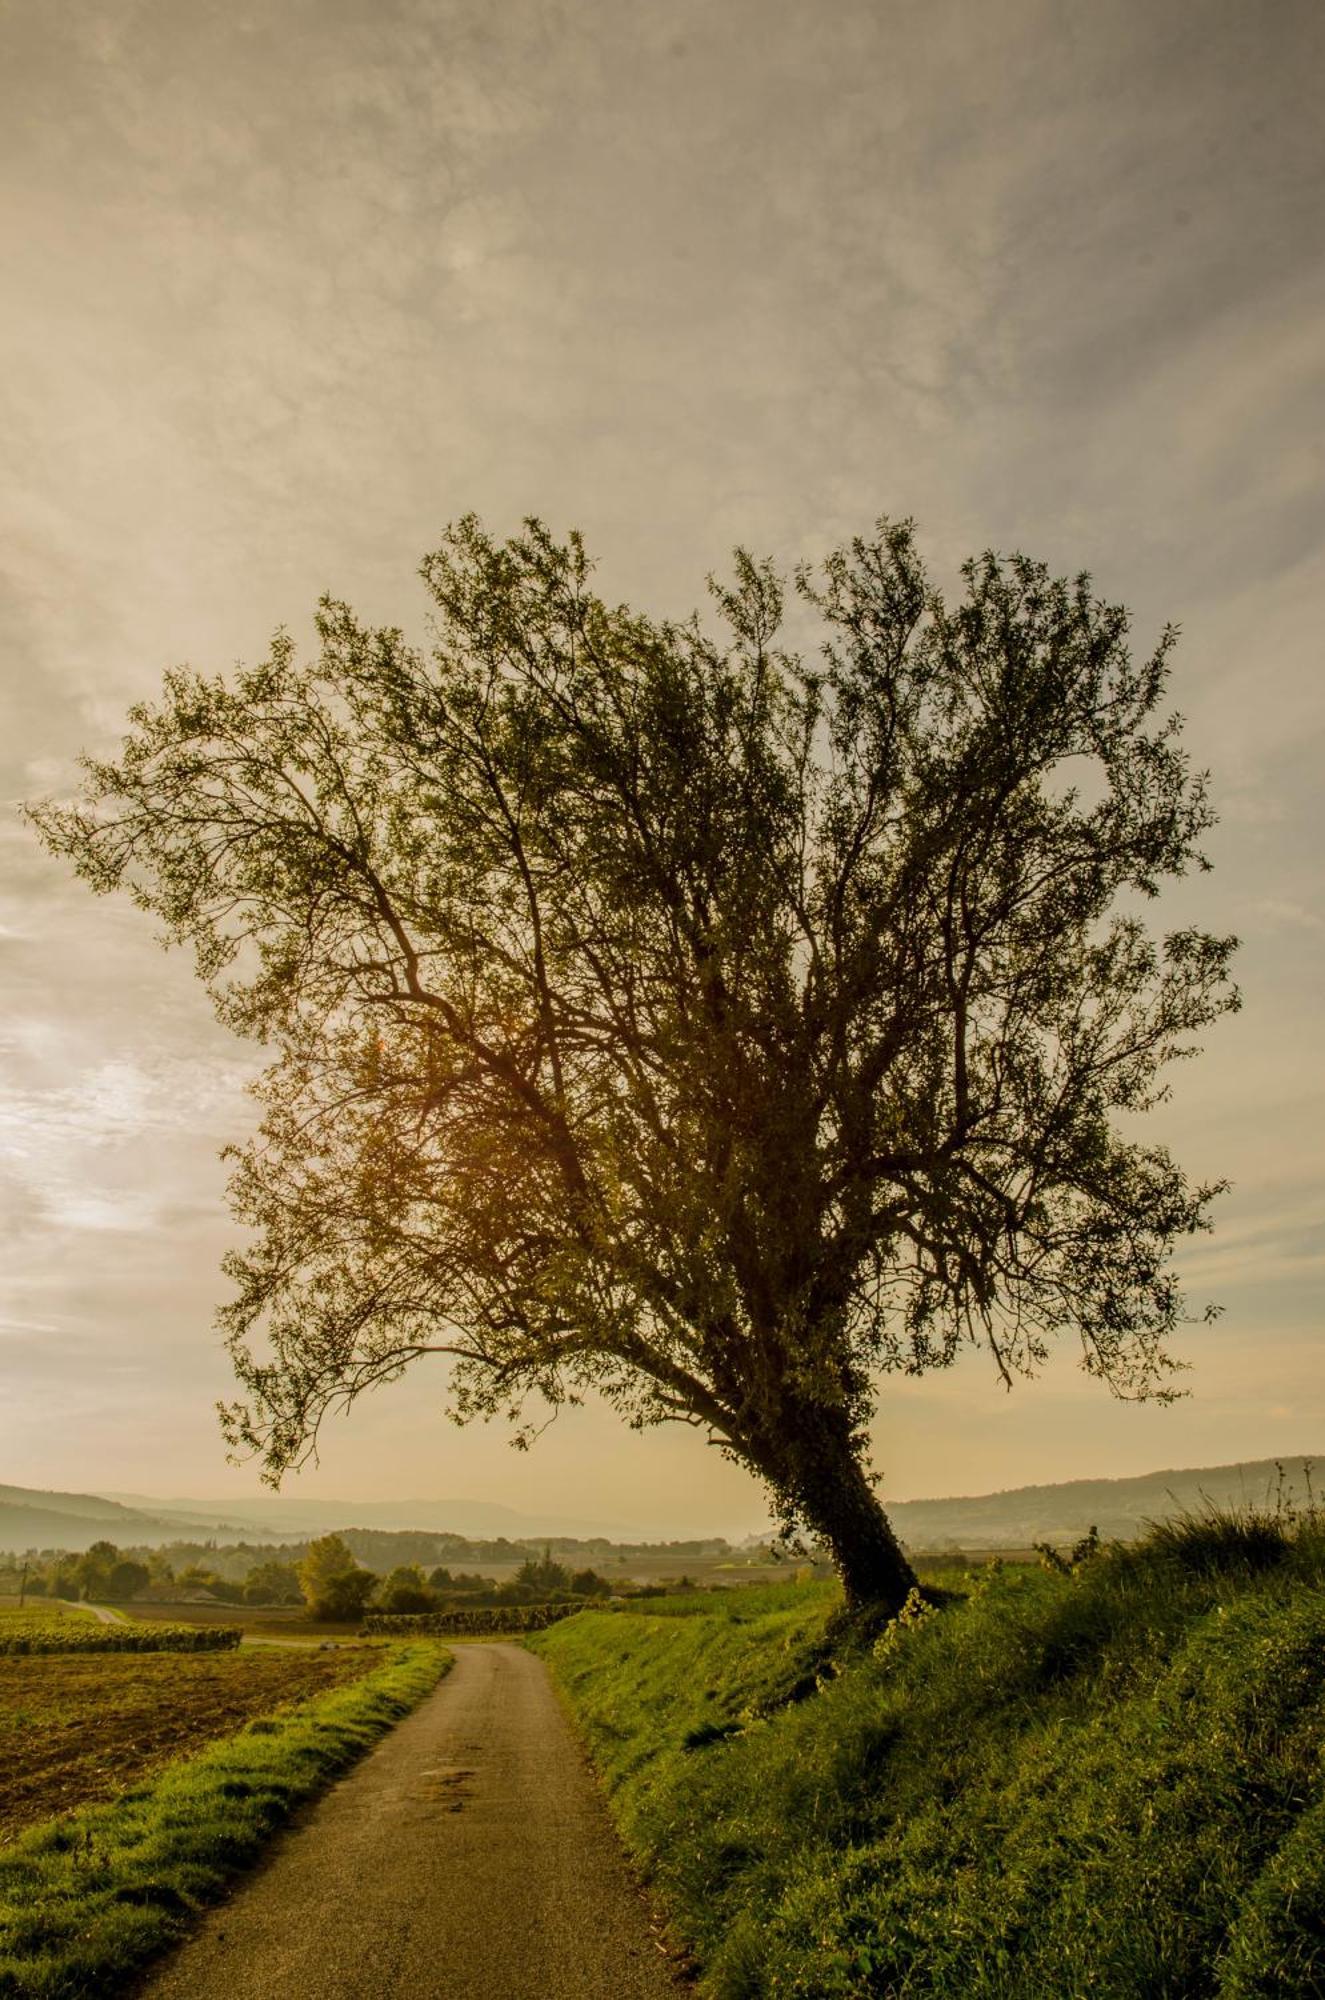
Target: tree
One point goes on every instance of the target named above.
(444, 1583)
(588, 1583)
(334, 1586)
(272, 1582)
(127, 1578)
(404, 1590)
(93, 1569)
(543, 1576)
(658, 1014)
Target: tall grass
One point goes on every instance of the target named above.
(1105, 1782)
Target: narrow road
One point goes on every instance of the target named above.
(468, 1857)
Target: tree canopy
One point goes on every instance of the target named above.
(655, 1012)
(333, 1584)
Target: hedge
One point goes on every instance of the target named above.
(486, 1618)
(68, 1637)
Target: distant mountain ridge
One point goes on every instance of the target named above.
(291, 1516)
(1119, 1508)
(32, 1519)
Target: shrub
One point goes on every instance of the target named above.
(481, 1619)
(1220, 1540)
(404, 1592)
(126, 1579)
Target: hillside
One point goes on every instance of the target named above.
(1119, 1508)
(33, 1519)
(292, 1516)
(1107, 1782)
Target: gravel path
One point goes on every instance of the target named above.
(101, 1612)
(468, 1857)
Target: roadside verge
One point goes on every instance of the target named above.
(87, 1899)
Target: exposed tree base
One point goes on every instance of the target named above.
(820, 1474)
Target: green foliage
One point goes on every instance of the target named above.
(126, 1579)
(334, 1587)
(42, 1634)
(654, 1012)
(272, 1583)
(1081, 1552)
(588, 1583)
(195, 1577)
(543, 1576)
(404, 1592)
(470, 1622)
(1220, 1540)
(461, 1582)
(1107, 1781)
(92, 1571)
(89, 1898)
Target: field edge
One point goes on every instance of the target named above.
(87, 1900)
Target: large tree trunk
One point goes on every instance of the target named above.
(816, 1467)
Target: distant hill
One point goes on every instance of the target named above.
(1119, 1508)
(32, 1519)
(281, 1515)
(1014, 1519)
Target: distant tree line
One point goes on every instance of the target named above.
(381, 1549)
(335, 1586)
(323, 1575)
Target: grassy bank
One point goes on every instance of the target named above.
(87, 1898)
(1104, 1783)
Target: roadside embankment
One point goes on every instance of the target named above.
(1105, 1781)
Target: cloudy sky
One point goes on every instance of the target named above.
(288, 287)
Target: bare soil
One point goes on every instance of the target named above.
(75, 1729)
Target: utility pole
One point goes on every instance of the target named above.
(22, 1583)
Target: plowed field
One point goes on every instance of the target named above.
(74, 1729)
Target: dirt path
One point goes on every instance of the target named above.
(469, 1857)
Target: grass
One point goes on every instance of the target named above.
(53, 1609)
(1101, 1783)
(77, 1729)
(87, 1899)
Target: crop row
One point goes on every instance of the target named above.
(476, 1622)
(20, 1637)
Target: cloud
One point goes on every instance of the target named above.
(1292, 915)
(288, 289)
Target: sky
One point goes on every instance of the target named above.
(288, 288)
